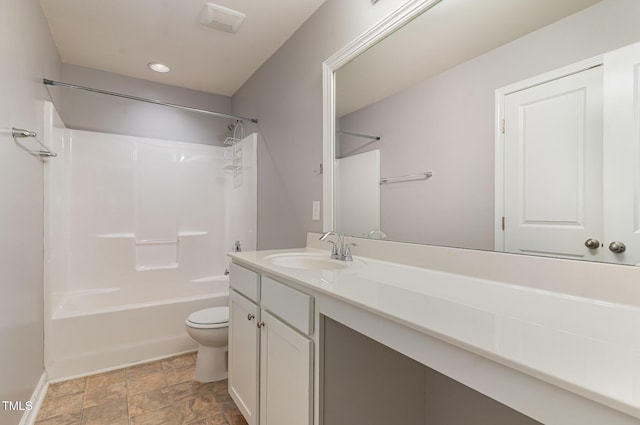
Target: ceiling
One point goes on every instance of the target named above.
(123, 36)
(449, 34)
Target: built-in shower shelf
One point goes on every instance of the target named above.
(115, 236)
(185, 234)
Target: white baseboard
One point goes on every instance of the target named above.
(29, 417)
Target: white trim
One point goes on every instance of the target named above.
(498, 244)
(328, 146)
(382, 29)
(29, 417)
(500, 95)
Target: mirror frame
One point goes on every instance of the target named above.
(379, 31)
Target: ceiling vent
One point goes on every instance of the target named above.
(221, 18)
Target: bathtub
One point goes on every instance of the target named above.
(108, 328)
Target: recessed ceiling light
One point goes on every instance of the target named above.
(158, 67)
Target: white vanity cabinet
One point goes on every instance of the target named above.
(270, 350)
(244, 341)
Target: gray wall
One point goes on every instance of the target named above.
(27, 55)
(366, 382)
(95, 112)
(285, 94)
(446, 124)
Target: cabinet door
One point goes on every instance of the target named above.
(244, 339)
(285, 374)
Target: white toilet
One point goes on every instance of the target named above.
(210, 329)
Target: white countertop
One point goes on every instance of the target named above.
(583, 345)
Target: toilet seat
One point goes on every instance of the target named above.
(209, 318)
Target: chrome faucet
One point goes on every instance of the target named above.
(336, 249)
(339, 250)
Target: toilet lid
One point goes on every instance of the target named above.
(210, 316)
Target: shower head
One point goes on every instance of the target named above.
(232, 126)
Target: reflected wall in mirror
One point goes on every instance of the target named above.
(562, 169)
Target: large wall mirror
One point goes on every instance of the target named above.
(496, 125)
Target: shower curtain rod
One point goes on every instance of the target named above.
(142, 99)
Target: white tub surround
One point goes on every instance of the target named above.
(556, 357)
(136, 232)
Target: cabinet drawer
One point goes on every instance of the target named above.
(291, 305)
(245, 281)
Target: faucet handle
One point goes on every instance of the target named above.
(334, 250)
(347, 251)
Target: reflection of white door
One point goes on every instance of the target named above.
(553, 167)
(622, 153)
(358, 193)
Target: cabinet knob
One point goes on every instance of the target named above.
(260, 324)
(251, 316)
(592, 243)
(617, 247)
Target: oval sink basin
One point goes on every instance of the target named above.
(309, 261)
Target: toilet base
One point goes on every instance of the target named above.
(211, 364)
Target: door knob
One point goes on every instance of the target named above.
(251, 316)
(260, 324)
(592, 243)
(617, 247)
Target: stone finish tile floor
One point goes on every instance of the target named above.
(159, 393)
